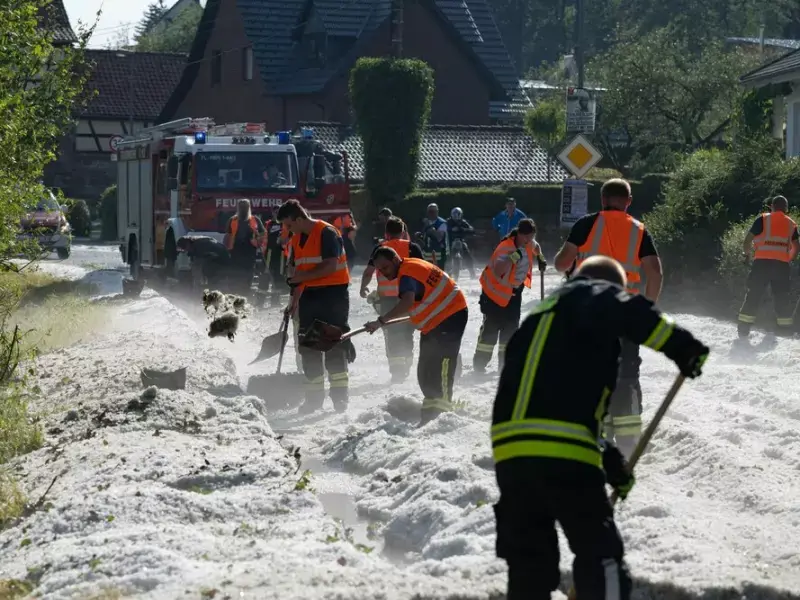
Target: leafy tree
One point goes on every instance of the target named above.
(546, 123)
(661, 91)
(392, 101)
(39, 88)
(176, 35)
(152, 16)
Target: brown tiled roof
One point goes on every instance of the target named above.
(54, 18)
(457, 154)
(155, 76)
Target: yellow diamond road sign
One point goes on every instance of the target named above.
(579, 156)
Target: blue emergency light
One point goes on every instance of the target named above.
(308, 133)
(200, 137)
(283, 137)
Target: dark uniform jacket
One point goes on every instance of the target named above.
(560, 370)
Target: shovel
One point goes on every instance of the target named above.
(279, 390)
(274, 344)
(541, 284)
(641, 446)
(323, 336)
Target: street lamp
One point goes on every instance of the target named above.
(129, 56)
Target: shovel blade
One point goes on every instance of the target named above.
(321, 336)
(271, 346)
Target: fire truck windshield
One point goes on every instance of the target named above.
(240, 171)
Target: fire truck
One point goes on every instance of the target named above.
(186, 177)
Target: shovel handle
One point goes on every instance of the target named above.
(284, 330)
(350, 334)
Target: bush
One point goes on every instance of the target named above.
(392, 101)
(108, 213)
(80, 219)
(710, 190)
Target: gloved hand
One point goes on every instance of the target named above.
(515, 256)
(618, 475)
(690, 360)
(290, 284)
(542, 264)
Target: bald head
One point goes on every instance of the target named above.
(780, 203)
(603, 267)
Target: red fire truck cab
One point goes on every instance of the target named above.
(186, 177)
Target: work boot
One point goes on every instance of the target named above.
(743, 330)
(339, 404)
(428, 415)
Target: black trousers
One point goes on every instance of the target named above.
(499, 324)
(214, 269)
(439, 351)
(399, 340)
(330, 304)
(623, 425)
(531, 502)
(776, 275)
(242, 268)
(275, 267)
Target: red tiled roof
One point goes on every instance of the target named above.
(155, 76)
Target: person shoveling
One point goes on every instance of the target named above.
(280, 390)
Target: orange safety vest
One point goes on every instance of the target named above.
(617, 235)
(234, 227)
(500, 289)
(342, 223)
(308, 256)
(441, 299)
(775, 240)
(388, 287)
(286, 235)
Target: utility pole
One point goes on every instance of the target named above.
(579, 40)
(396, 27)
(130, 92)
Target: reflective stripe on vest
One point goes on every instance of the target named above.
(234, 228)
(389, 287)
(500, 289)
(309, 255)
(545, 438)
(617, 235)
(441, 298)
(775, 240)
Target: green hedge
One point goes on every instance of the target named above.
(542, 202)
(391, 101)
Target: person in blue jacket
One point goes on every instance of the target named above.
(506, 220)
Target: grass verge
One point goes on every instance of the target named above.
(39, 313)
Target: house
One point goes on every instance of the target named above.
(174, 11)
(129, 90)
(284, 61)
(781, 77)
(457, 155)
(53, 17)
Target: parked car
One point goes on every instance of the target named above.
(48, 225)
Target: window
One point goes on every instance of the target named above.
(216, 67)
(245, 171)
(247, 64)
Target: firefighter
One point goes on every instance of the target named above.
(458, 228)
(274, 259)
(613, 233)
(775, 238)
(319, 291)
(399, 339)
(434, 237)
(509, 270)
(439, 310)
(549, 463)
(347, 227)
(244, 242)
